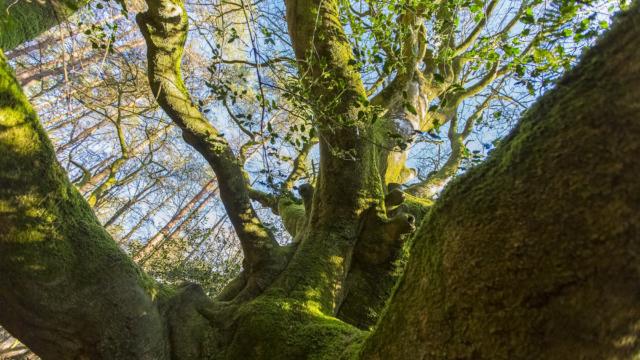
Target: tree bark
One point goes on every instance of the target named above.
(24, 20)
(67, 290)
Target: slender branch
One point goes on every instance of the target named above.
(475, 33)
(485, 81)
(127, 205)
(514, 20)
(86, 174)
(299, 166)
(266, 63)
(237, 121)
(434, 182)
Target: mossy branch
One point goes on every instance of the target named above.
(164, 27)
(56, 259)
(21, 21)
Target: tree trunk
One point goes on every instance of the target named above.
(532, 255)
(67, 290)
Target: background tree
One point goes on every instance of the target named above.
(308, 298)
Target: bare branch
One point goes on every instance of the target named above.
(299, 166)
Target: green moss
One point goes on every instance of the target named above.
(55, 256)
(273, 328)
(24, 20)
(416, 206)
(533, 253)
(293, 217)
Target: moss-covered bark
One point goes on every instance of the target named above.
(21, 21)
(350, 238)
(66, 288)
(534, 254)
(164, 27)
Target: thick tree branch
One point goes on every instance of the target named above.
(265, 199)
(55, 257)
(327, 66)
(164, 27)
(22, 21)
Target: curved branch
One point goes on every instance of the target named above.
(485, 81)
(164, 28)
(436, 181)
(475, 33)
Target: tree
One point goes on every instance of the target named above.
(529, 255)
(27, 20)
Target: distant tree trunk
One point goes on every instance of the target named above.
(151, 212)
(151, 245)
(56, 68)
(180, 227)
(127, 205)
(83, 135)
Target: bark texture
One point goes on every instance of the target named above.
(66, 289)
(24, 20)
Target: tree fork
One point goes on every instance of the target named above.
(531, 255)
